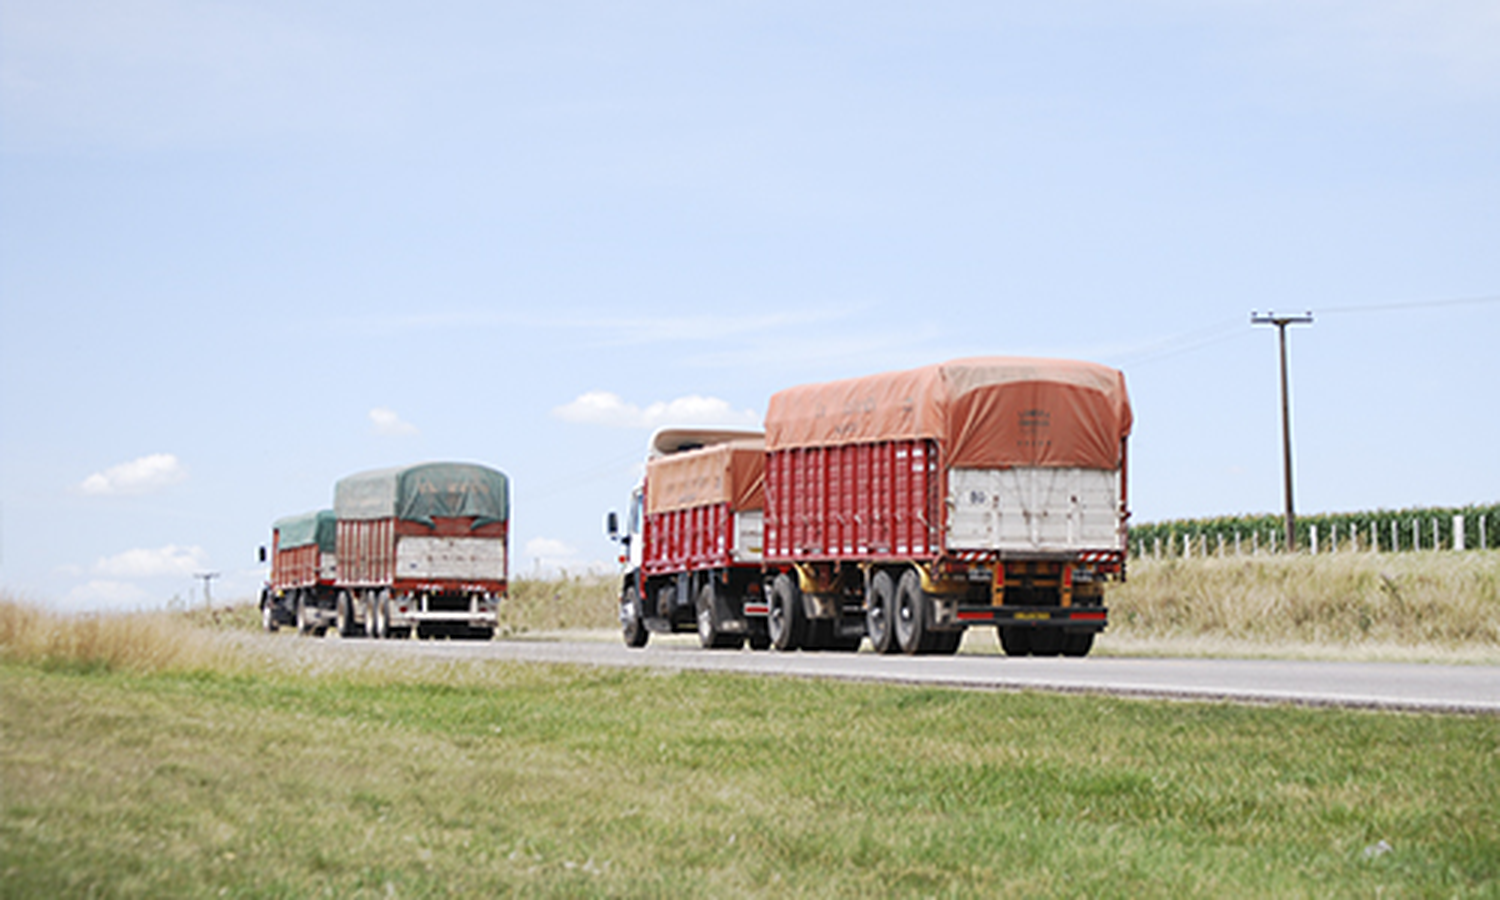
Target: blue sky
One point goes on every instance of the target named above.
(249, 248)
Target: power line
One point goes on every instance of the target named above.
(1412, 304)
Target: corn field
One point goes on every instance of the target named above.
(1427, 528)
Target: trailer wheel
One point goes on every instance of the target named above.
(945, 643)
(636, 634)
(343, 617)
(1046, 642)
(377, 623)
(304, 624)
(1015, 640)
(1078, 644)
(910, 617)
(787, 623)
(710, 637)
(879, 606)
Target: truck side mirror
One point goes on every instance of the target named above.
(262, 554)
(612, 525)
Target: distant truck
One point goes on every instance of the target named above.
(693, 539)
(905, 507)
(302, 589)
(419, 548)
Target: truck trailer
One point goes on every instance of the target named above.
(693, 539)
(910, 506)
(302, 589)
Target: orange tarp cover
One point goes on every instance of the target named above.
(989, 412)
(733, 473)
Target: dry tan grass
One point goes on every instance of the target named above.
(567, 603)
(1419, 604)
(132, 642)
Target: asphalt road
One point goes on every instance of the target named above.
(1393, 686)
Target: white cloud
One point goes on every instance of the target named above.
(387, 422)
(550, 557)
(142, 562)
(550, 548)
(605, 408)
(105, 595)
(139, 476)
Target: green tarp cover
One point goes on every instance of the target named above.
(308, 528)
(418, 493)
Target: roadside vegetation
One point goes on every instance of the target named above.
(1439, 606)
(149, 773)
(1429, 606)
(569, 602)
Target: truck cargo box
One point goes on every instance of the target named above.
(433, 526)
(992, 456)
(303, 551)
(703, 507)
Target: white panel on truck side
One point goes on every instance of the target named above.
(749, 535)
(1034, 509)
(469, 559)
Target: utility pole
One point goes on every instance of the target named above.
(1281, 322)
(207, 577)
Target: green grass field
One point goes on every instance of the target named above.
(162, 755)
(485, 779)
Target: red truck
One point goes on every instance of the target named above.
(422, 547)
(302, 589)
(909, 506)
(693, 539)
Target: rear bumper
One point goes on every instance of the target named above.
(1073, 618)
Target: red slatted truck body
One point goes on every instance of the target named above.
(422, 547)
(909, 506)
(694, 539)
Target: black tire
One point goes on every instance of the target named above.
(787, 623)
(636, 634)
(1078, 644)
(399, 634)
(482, 633)
(268, 614)
(1015, 640)
(910, 614)
(372, 618)
(878, 608)
(304, 624)
(945, 643)
(710, 633)
(343, 617)
(1047, 642)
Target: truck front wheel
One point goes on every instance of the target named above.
(268, 613)
(636, 634)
